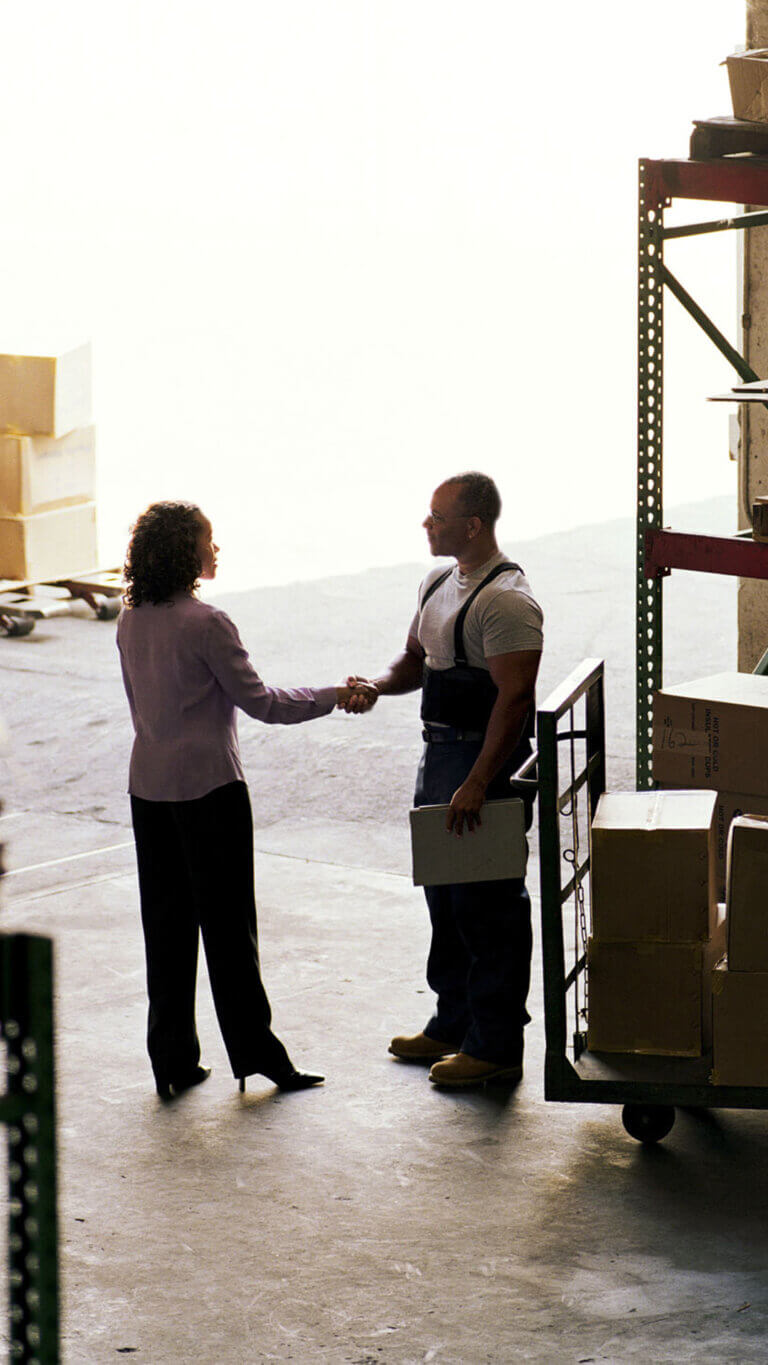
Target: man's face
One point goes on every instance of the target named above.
(446, 526)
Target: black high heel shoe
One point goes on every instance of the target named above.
(289, 1080)
(170, 1090)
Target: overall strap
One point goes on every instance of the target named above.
(458, 629)
(433, 587)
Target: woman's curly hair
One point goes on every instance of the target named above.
(162, 557)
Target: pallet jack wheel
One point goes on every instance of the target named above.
(108, 608)
(16, 625)
(648, 1122)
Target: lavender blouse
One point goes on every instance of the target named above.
(186, 671)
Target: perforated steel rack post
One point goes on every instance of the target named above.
(650, 409)
(28, 1110)
(737, 181)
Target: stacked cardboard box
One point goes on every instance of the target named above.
(657, 927)
(713, 734)
(47, 466)
(740, 981)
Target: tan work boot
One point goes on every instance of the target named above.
(417, 1047)
(465, 1070)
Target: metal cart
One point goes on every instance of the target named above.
(571, 768)
(24, 603)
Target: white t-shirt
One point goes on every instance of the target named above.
(503, 619)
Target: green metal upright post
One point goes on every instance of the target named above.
(28, 1110)
(650, 322)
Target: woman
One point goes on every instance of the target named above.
(185, 672)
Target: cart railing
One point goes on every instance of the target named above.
(572, 716)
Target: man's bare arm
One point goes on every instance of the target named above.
(515, 677)
(404, 674)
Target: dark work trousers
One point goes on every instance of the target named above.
(480, 957)
(195, 861)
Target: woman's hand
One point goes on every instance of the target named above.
(356, 695)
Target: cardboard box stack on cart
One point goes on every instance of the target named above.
(657, 928)
(47, 467)
(713, 734)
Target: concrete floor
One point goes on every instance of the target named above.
(375, 1221)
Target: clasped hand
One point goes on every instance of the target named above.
(356, 695)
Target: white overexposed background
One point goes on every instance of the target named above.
(329, 251)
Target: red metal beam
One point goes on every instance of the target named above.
(736, 181)
(733, 555)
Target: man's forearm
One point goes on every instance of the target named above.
(403, 675)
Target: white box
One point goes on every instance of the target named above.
(38, 473)
(494, 851)
(45, 395)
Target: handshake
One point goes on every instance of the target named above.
(356, 695)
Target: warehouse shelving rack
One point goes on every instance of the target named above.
(714, 174)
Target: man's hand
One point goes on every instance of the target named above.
(465, 805)
(356, 695)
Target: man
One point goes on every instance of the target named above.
(478, 675)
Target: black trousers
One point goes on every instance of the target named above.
(195, 862)
(479, 962)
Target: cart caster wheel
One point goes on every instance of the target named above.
(648, 1122)
(17, 625)
(108, 609)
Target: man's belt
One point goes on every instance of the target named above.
(448, 734)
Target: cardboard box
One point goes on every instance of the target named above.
(713, 733)
(38, 473)
(748, 77)
(739, 1027)
(49, 545)
(652, 997)
(747, 894)
(653, 866)
(729, 805)
(45, 395)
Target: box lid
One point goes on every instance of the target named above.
(681, 810)
(731, 689)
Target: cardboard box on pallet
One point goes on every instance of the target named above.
(652, 998)
(652, 866)
(739, 1027)
(748, 79)
(49, 545)
(38, 473)
(45, 395)
(747, 883)
(713, 733)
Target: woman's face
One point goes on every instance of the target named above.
(206, 548)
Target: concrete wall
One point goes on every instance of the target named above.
(753, 454)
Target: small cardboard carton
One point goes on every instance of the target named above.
(739, 1027)
(748, 77)
(747, 894)
(652, 997)
(38, 473)
(713, 733)
(49, 545)
(652, 866)
(45, 395)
